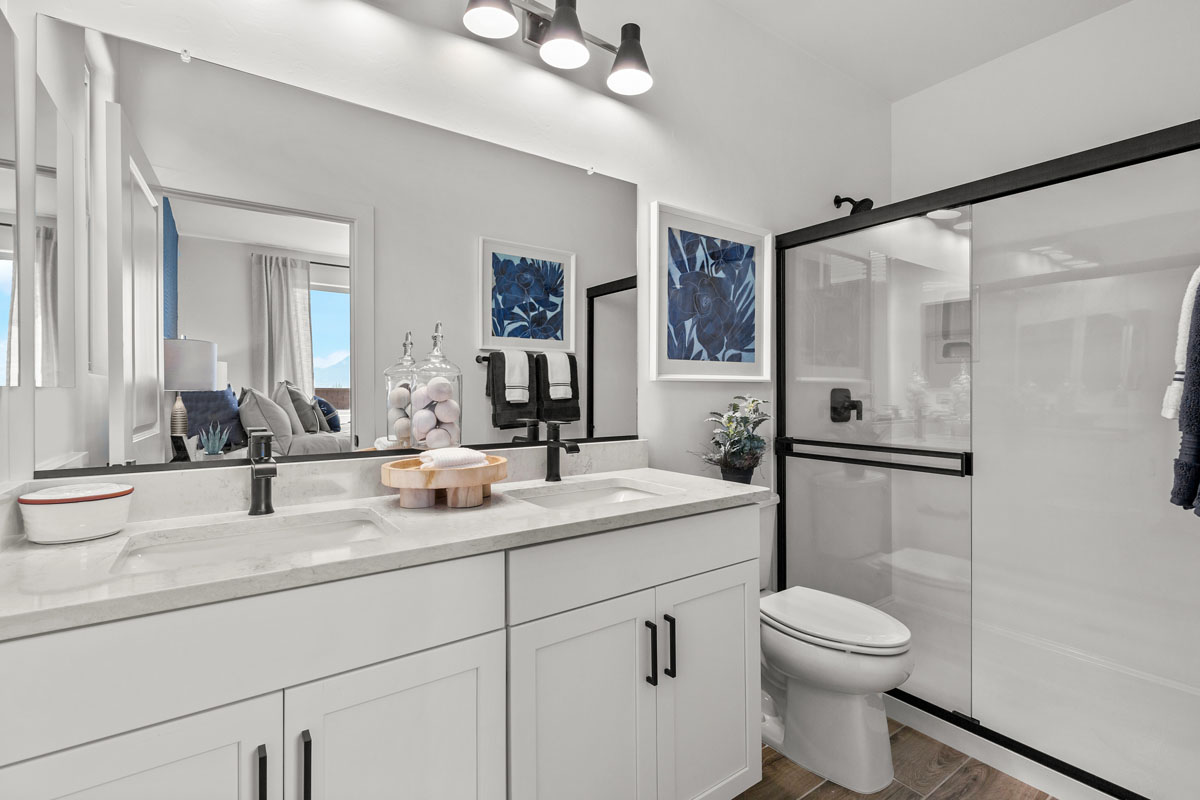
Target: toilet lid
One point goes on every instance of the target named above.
(834, 619)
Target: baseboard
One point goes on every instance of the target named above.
(994, 755)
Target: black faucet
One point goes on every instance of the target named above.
(554, 446)
(263, 470)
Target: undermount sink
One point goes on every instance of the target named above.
(589, 494)
(323, 535)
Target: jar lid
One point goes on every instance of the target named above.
(76, 493)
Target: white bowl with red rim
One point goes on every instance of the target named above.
(75, 513)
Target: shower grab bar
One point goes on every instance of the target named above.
(785, 445)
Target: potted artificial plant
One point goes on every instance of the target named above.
(736, 446)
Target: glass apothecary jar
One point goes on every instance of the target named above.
(399, 379)
(437, 399)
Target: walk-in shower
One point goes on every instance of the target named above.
(1005, 492)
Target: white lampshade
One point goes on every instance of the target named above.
(189, 365)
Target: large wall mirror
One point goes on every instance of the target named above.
(209, 238)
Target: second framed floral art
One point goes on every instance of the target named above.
(710, 298)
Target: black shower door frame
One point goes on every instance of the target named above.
(1182, 138)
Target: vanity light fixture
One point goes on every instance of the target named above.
(944, 213)
(491, 19)
(564, 47)
(561, 40)
(630, 73)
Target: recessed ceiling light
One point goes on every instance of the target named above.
(944, 213)
(963, 226)
(1042, 249)
(491, 19)
(1060, 256)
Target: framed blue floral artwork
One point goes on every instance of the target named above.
(526, 297)
(710, 298)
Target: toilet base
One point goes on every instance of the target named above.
(841, 737)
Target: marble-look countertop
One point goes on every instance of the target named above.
(46, 588)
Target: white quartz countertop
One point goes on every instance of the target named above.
(46, 588)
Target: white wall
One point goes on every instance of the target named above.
(738, 125)
(1128, 71)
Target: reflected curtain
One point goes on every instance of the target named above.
(45, 305)
(281, 323)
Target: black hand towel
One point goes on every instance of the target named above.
(556, 410)
(1187, 466)
(506, 415)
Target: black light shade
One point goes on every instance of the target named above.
(630, 73)
(564, 46)
(491, 19)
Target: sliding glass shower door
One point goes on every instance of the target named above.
(877, 423)
(1086, 580)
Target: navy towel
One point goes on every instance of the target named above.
(1187, 466)
(552, 410)
(506, 415)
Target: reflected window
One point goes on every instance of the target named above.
(330, 313)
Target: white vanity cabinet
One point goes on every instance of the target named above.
(229, 753)
(426, 725)
(650, 692)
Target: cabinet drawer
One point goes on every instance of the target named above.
(549, 578)
(66, 688)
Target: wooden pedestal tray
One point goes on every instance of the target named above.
(464, 487)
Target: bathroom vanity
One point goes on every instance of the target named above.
(594, 639)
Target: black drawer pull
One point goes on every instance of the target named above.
(262, 771)
(306, 789)
(652, 678)
(670, 671)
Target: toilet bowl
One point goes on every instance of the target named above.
(832, 657)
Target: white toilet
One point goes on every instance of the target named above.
(826, 661)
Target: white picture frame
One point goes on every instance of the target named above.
(665, 345)
(488, 337)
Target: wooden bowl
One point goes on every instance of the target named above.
(464, 487)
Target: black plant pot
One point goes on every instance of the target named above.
(737, 475)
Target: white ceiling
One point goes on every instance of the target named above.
(899, 47)
(305, 234)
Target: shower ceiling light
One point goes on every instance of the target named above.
(963, 226)
(1042, 249)
(630, 73)
(944, 213)
(1060, 256)
(564, 47)
(491, 19)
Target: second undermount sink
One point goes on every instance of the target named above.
(321, 536)
(590, 493)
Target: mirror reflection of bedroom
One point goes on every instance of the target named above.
(263, 299)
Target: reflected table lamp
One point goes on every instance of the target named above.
(189, 365)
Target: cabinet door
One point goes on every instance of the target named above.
(581, 713)
(709, 742)
(426, 725)
(229, 753)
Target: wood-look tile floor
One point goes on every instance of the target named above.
(925, 770)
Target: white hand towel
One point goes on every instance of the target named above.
(558, 368)
(516, 376)
(1170, 406)
(450, 457)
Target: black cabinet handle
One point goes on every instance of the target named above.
(670, 671)
(306, 789)
(262, 771)
(652, 678)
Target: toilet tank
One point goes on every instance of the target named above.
(766, 541)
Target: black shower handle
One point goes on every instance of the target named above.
(841, 405)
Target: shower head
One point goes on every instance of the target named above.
(856, 206)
